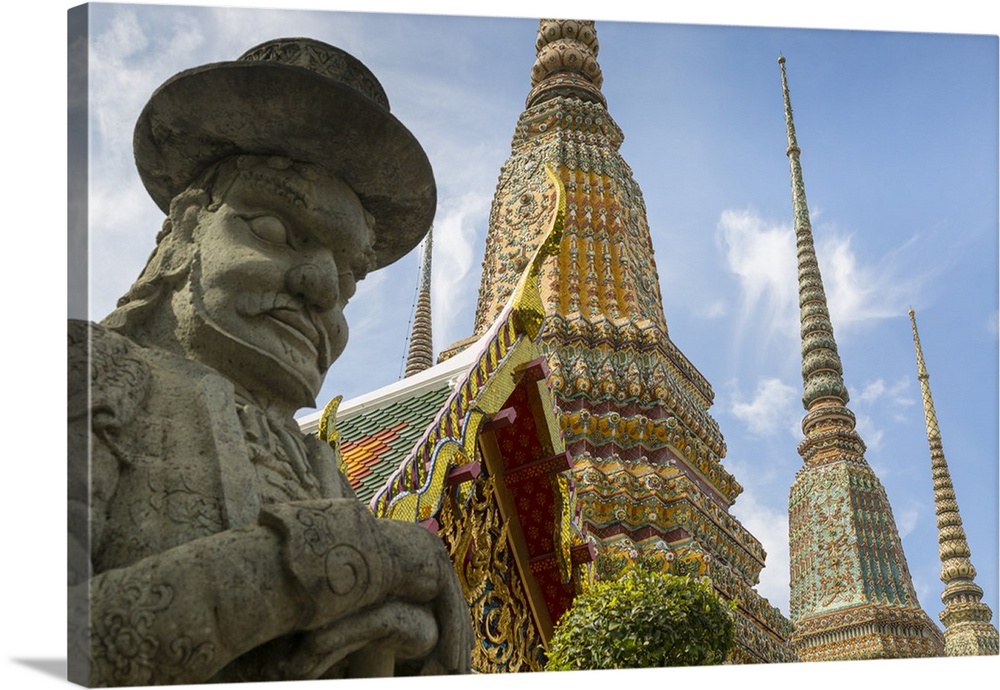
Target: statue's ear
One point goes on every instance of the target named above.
(184, 211)
(175, 242)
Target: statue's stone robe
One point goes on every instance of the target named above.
(178, 471)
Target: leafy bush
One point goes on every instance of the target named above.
(643, 619)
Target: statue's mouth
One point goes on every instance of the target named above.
(300, 324)
(293, 317)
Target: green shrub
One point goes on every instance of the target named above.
(643, 619)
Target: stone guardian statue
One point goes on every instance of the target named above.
(210, 540)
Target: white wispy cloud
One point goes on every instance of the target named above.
(127, 62)
(993, 323)
(871, 435)
(771, 409)
(856, 291)
(123, 220)
(895, 396)
(770, 526)
(761, 254)
(899, 393)
(906, 520)
(872, 391)
(924, 589)
(454, 289)
(713, 310)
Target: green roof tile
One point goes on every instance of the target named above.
(373, 443)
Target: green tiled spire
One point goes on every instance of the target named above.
(851, 592)
(822, 372)
(967, 627)
(374, 440)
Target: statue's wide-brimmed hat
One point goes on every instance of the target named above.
(299, 98)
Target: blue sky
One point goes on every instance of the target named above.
(899, 148)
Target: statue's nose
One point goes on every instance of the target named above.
(316, 287)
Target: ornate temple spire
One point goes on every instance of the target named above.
(633, 410)
(967, 627)
(421, 351)
(851, 592)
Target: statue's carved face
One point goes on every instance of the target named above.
(276, 260)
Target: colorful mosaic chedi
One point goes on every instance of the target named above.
(633, 410)
(851, 592)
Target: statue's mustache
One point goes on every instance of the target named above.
(289, 310)
(254, 304)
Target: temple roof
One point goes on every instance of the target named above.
(379, 429)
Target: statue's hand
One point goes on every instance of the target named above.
(344, 561)
(367, 644)
(425, 573)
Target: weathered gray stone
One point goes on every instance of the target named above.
(209, 539)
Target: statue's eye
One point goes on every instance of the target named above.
(269, 229)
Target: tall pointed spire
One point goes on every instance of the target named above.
(421, 351)
(967, 627)
(851, 592)
(822, 372)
